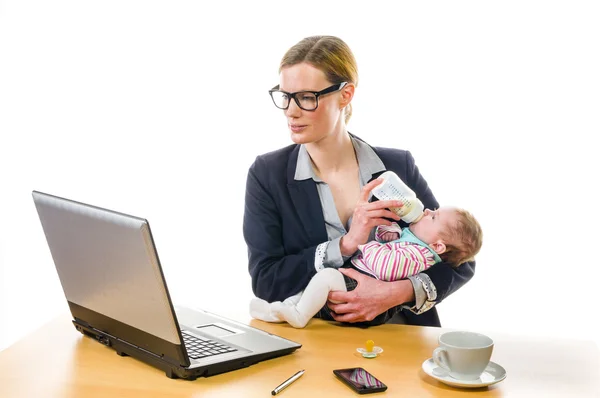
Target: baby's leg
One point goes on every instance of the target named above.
(313, 298)
(263, 310)
(293, 300)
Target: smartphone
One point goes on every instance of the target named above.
(360, 380)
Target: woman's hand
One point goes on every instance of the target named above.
(370, 298)
(367, 216)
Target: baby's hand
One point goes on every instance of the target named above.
(389, 236)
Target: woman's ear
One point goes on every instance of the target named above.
(438, 246)
(347, 95)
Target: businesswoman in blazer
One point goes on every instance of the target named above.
(307, 204)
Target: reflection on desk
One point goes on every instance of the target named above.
(57, 361)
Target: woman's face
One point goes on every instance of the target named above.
(311, 126)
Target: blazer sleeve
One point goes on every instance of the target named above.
(444, 277)
(275, 274)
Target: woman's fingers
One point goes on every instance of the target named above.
(363, 303)
(382, 204)
(377, 209)
(340, 308)
(350, 317)
(349, 312)
(367, 211)
(366, 190)
(367, 216)
(369, 223)
(383, 213)
(338, 296)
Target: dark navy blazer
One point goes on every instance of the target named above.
(283, 225)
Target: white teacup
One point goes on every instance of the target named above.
(464, 355)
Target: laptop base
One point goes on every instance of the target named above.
(122, 349)
(173, 372)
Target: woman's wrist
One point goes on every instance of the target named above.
(347, 247)
(401, 292)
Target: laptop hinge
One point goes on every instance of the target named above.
(134, 346)
(81, 322)
(102, 337)
(161, 357)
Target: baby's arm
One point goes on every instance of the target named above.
(396, 260)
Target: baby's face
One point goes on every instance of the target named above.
(433, 223)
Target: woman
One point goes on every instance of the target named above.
(307, 205)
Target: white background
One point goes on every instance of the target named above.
(158, 108)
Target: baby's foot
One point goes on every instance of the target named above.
(290, 314)
(261, 309)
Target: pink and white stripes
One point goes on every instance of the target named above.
(392, 261)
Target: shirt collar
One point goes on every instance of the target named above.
(304, 169)
(368, 162)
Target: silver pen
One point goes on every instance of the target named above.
(286, 383)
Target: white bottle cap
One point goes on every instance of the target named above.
(415, 212)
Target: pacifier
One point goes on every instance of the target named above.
(370, 350)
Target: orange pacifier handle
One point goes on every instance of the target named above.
(369, 345)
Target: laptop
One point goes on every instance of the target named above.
(113, 281)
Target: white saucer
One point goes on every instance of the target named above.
(492, 374)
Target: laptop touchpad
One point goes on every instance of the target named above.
(216, 330)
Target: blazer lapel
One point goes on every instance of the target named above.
(376, 175)
(306, 200)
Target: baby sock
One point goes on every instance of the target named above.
(290, 314)
(261, 309)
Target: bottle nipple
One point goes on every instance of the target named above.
(418, 218)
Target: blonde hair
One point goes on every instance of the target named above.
(463, 239)
(330, 55)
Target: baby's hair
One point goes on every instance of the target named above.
(463, 239)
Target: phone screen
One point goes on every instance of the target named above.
(360, 380)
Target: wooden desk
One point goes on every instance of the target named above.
(57, 361)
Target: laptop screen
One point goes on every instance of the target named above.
(107, 263)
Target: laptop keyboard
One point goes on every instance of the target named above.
(199, 347)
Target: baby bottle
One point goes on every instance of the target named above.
(393, 188)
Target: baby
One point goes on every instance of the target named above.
(447, 234)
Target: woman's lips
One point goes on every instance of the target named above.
(296, 128)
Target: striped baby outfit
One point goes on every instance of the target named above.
(397, 259)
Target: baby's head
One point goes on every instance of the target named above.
(452, 233)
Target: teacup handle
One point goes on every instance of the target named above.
(439, 357)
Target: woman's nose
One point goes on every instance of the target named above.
(293, 110)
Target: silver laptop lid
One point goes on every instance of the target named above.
(107, 262)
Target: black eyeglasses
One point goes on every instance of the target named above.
(307, 100)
